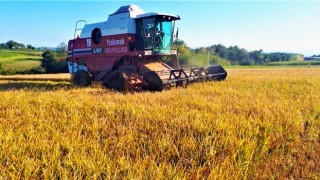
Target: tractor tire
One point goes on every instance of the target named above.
(82, 79)
(115, 80)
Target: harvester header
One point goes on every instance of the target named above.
(132, 51)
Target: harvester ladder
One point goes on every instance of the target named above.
(76, 29)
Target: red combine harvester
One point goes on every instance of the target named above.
(131, 51)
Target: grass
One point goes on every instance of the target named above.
(10, 53)
(19, 60)
(22, 65)
(258, 124)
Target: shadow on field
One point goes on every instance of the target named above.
(35, 86)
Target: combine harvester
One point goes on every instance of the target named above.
(131, 51)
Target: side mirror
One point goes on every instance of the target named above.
(177, 33)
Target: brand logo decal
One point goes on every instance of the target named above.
(115, 42)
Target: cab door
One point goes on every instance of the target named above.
(145, 33)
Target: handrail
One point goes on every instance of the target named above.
(78, 29)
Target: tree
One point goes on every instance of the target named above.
(29, 46)
(62, 51)
(298, 57)
(220, 50)
(179, 43)
(62, 47)
(21, 46)
(12, 44)
(256, 56)
(49, 61)
(3, 46)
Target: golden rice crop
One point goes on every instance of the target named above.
(37, 77)
(259, 123)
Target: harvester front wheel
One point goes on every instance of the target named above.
(81, 78)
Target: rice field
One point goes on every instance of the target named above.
(261, 123)
(36, 77)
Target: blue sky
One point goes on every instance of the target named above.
(274, 26)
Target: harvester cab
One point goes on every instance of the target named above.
(155, 32)
(132, 51)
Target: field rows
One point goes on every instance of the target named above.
(37, 77)
(259, 123)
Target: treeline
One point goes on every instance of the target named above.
(196, 57)
(241, 56)
(233, 55)
(12, 45)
